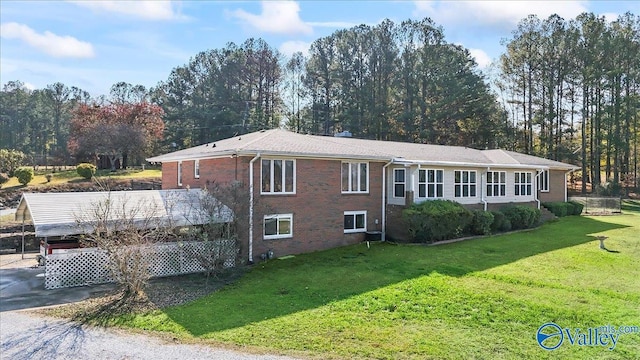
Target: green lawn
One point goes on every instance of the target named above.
(66, 176)
(477, 299)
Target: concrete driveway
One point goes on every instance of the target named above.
(23, 287)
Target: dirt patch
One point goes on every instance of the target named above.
(160, 293)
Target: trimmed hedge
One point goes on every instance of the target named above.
(500, 222)
(24, 174)
(437, 220)
(521, 217)
(86, 170)
(482, 221)
(561, 208)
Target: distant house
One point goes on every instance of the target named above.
(321, 192)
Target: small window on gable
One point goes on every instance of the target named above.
(355, 177)
(196, 169)
(278, 226)
(355, 221)
(399, 182)
(543, 181)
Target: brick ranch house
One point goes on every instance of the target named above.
(319, 192)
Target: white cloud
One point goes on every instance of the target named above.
(277, 17)
(29, 86)
(48, 42)
(143, 9)
(334, 24)
(492, 13)
(288, 48)
(610, 17)
(481, 57)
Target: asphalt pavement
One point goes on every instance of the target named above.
(26, 336)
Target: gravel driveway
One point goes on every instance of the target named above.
(27, 336)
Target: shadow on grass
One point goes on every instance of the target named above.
(282, 287)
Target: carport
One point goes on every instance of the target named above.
(68, 213)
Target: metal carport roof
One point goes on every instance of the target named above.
(70, 213)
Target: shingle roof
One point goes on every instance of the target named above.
(282, 142)
(69, 213)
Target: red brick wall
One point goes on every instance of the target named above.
(556, 187)
(317, 207)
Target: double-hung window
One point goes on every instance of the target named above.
(179, 173)
(355, 177)
(496, 183)
(523, 183)
(430, 183)
(196, 169)
(278, 176)
(465, 183)
(278, 226)
(543, 181)
(399, 182)
(355, 221)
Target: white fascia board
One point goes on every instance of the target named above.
(469, 164)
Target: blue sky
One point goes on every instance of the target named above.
(94, 44)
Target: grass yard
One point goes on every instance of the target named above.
(71, 176)
(478, 299)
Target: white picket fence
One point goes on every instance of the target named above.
(87, 266)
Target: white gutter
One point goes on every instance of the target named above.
(535, 186)
(384, 205)
(483, 189)
(251, 207)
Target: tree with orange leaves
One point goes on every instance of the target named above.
(115, 130)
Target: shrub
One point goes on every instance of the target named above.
(482, 221)
(577, 207)
(4, 178)
(500, 222)
(48, 177)
(24, 174)
(521, 217)
(436, 220)
(10, 160)
(86, 170)
(561, 208)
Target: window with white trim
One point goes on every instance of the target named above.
(179, 173)
(543, 183)
(399, 182)
(196, 169)
(523, 181)
(278, 176)
(430, 183)
(355, 221)
(355, 177)
(278, 226)
(465, 183)
(496, 183)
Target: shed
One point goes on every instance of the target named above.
(70, 213)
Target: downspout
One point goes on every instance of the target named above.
(251, 207)
(483, 189)
(536, 187)
(384, 207)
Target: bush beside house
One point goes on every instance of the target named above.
(438, 220)
(561, 209)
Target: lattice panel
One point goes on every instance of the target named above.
(92, 266)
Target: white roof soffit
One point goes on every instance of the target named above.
(60, 214)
